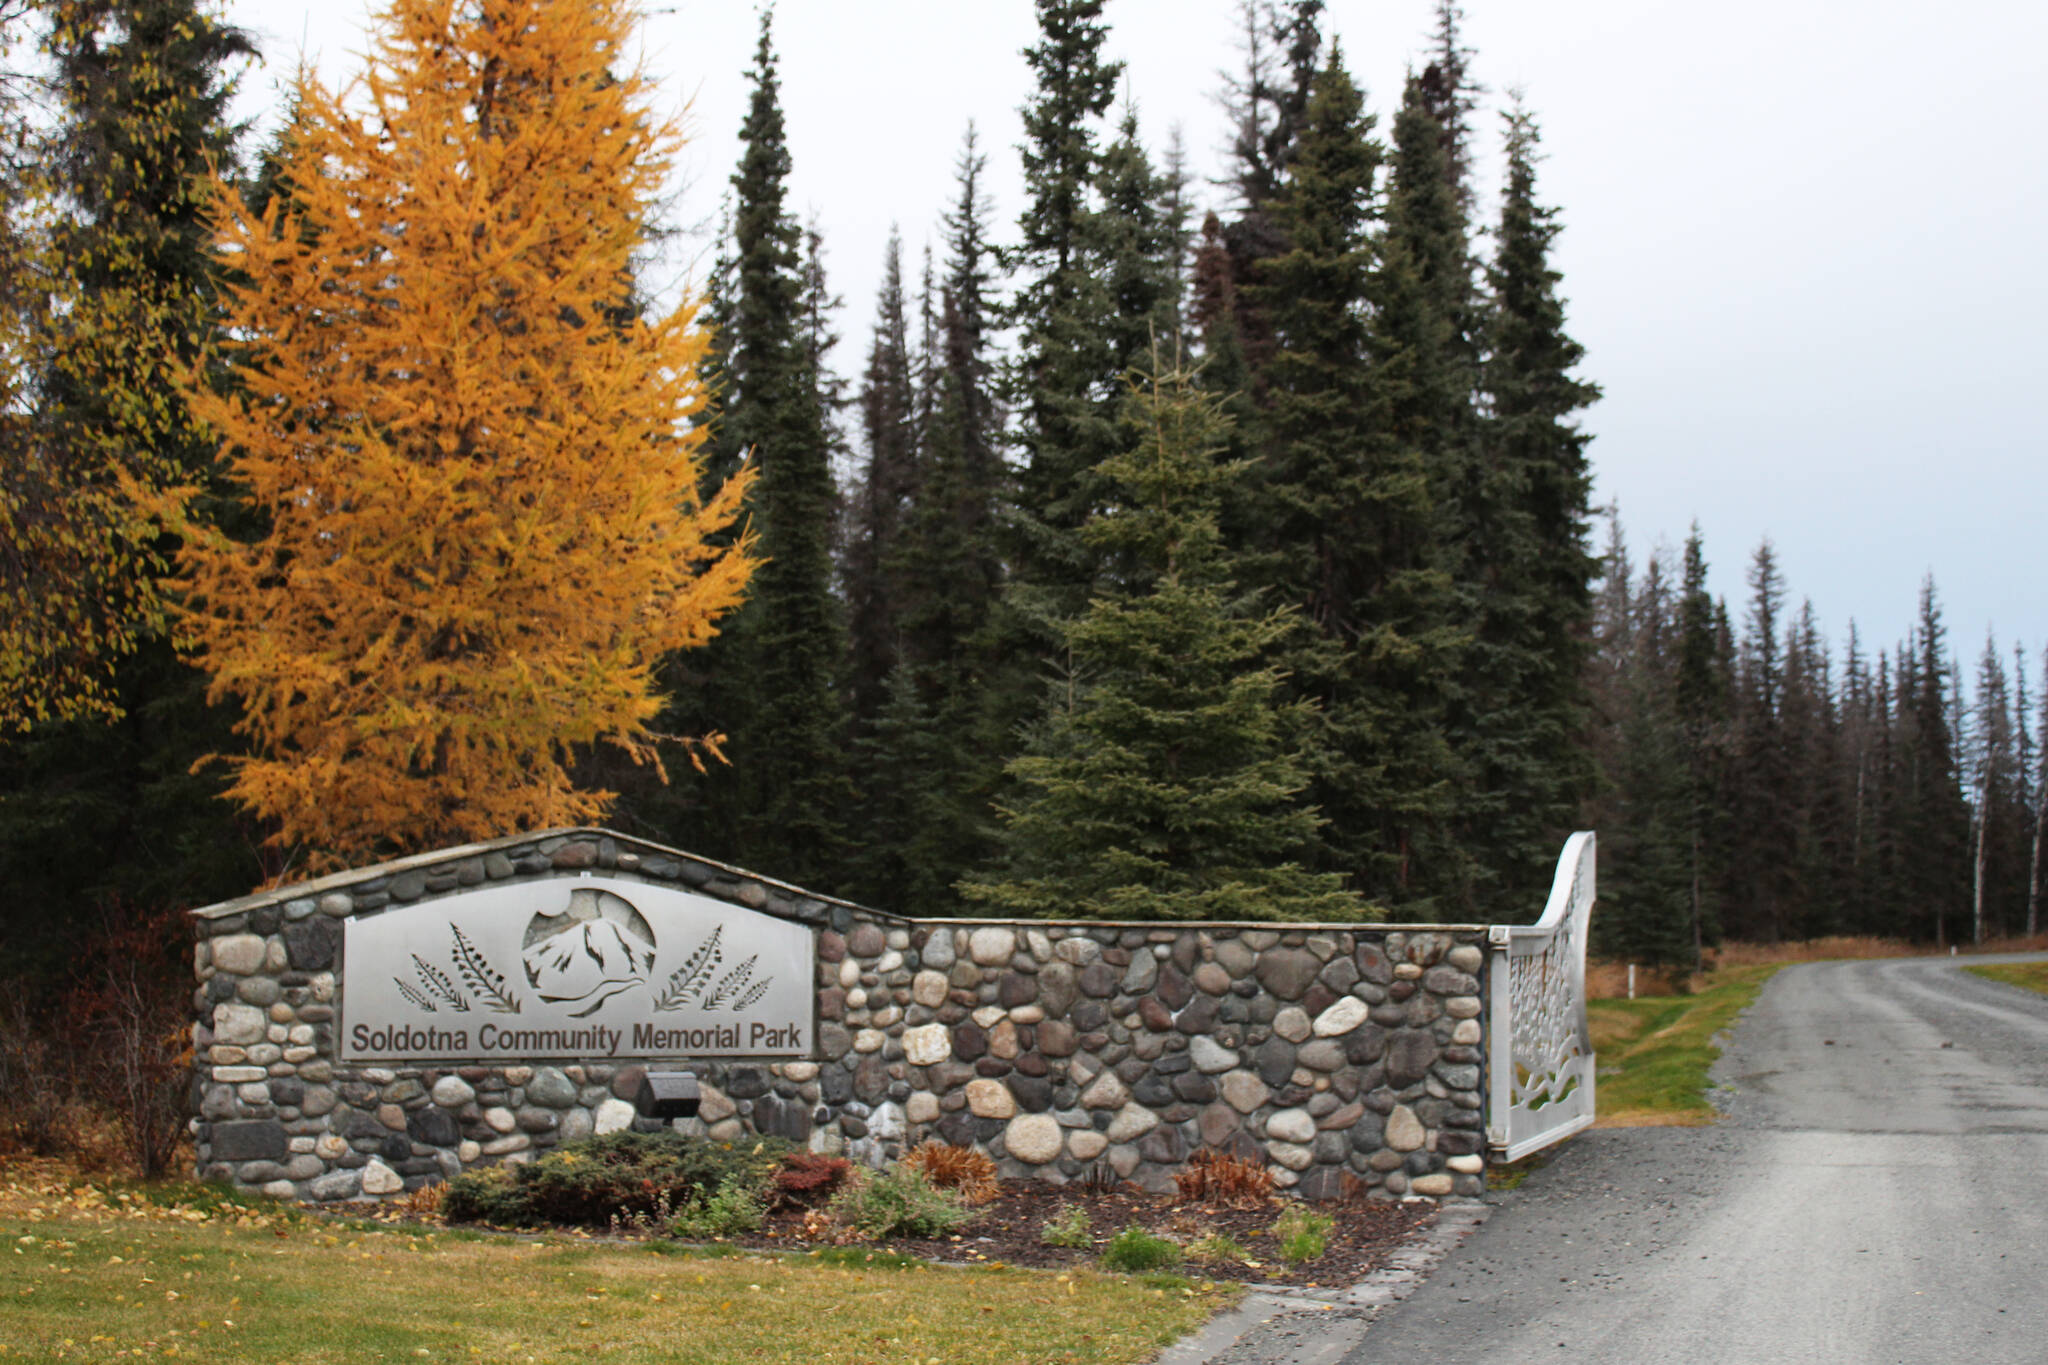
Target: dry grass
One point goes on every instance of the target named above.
(968, 1170)
(1213, 1177)
(100, 1276)
(1608, 979)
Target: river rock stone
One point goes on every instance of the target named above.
(1033, 1138)
(1405, 1132)
(1106, 1091)
(614, 1116)
(240, 1025)
(1347, 1014)
(1291, 1125)
(990, 1099)
(1210, 1057)
(1244, 1091)
(551, 1087)
(251, 1140)
(927, 1045)
(1131, 1122)
(380, 1179)
(1287, 972)
(452, 1092)
(992, 947)
(1291, 1155)
(1410, 1054)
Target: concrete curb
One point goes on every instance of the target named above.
(1281, 1325)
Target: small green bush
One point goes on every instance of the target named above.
(1135, 1249)
(1303, 1233)
(898, 1202)
(624, 1177)
(1068, 1228)
(738, 1205)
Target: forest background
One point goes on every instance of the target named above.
(1313, 436)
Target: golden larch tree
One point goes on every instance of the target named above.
(470, 458)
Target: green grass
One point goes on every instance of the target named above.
(86, 1275)
(2031, 976)
(1654, 1052)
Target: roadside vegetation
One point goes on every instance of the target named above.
(2031, 976)
(1655, 1050)
(103, 1271)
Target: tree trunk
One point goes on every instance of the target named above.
(1977, 878)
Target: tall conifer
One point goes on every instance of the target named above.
(788, 748)
(1526, 567)
(1164, 781)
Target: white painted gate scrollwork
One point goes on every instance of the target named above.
(1540, 1051)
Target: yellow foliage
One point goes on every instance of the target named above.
(479, 485)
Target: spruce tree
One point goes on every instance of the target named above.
(883, 498)
(930, 757)
(787, 748)
(1063, 358)
(1163, 783)
(1701, 692)
(1527, 568)
(106, 295)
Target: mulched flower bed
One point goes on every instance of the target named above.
(1007, 1230)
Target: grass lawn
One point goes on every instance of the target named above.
(1654, 1051)
(2032, 975)
(92, 1275)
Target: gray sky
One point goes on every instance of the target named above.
(1802, 237)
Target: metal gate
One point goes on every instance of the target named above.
(1539, 1050)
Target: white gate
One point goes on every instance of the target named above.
(1539, 1050)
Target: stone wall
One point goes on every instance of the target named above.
(1335, 1054)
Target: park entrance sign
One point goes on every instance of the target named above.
(587, 967)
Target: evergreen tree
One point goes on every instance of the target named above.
(788, 785)
(1451, 95)
(107, 294)
(1763, 894)
(1163, 783)
(1267, 105)
(1701, 693)
(931, 761)
(1064, 359)
(1526, 567)
(884, 497)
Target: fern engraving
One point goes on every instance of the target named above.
(689, 979)
(759, 989)
(481, 977)
(731, 984)
(436, 983)
(410, 994)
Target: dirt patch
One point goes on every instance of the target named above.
(1009, 1230)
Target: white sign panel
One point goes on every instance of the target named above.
(591, 968)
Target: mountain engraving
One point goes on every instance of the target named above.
(592, 949)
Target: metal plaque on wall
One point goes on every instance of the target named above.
(590, 968)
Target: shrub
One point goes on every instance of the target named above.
(806, 1177)
(628, 1177)
(1213, 1177)
(899, 1202)
(1070, 1227)
(738, 1205)
(485, 1196)
(1217, 1246)
(1303, 1234)
(968, 1170)
(1135, 1249)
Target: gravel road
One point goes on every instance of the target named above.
(1878, 1193)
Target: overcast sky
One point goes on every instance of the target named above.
(1803, 238)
